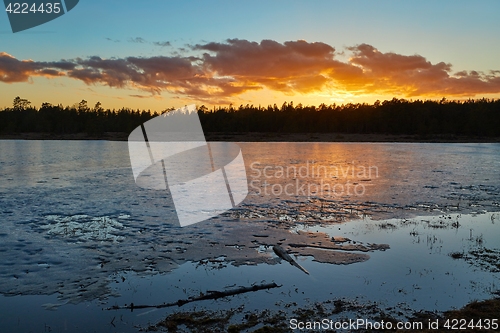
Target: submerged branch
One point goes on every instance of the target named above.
(208, 295)
(357, 247)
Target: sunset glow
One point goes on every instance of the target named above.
(143, 71)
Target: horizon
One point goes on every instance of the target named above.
(256, 105)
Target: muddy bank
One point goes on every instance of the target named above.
(40, 258)
(98, 247)
(337, 310)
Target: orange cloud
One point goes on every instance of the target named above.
(415, 76)
(231, 68)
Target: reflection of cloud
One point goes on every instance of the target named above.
(223, 70)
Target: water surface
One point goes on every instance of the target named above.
(77, 235)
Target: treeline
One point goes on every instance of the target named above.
(79, 118)
(398, 116)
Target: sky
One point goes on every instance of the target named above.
(158, 54)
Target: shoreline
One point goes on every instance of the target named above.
(269, 137)
(474, 313)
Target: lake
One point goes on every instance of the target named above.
(396, 227)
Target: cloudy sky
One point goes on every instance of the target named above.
(157, 54)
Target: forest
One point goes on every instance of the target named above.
(472, 118)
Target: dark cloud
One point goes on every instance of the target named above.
(139, 40)
(13, 70)
(63, 64)
(162, 44)
(291, 66)
(223, 70)
(139, 96)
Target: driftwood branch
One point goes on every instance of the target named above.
(201, 297)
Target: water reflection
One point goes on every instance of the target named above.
(402, 174)
(55, 194)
